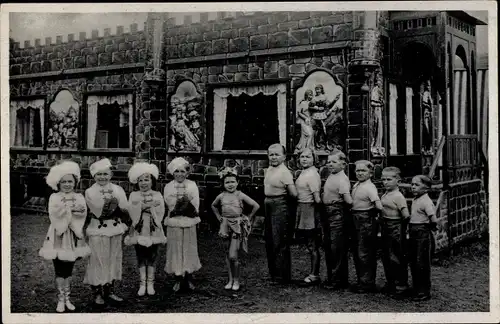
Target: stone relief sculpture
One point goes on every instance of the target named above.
(427, 118)
(63, 122)
(185, 113)
(305, 122)
(377, 127)
(319, 113)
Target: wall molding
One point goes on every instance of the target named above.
(88, 70)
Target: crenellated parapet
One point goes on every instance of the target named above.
(80, 50)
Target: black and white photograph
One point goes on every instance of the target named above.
(250, 162)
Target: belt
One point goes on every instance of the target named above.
(280, 196)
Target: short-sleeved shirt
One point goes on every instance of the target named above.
(307, 183)
(336, 186)
(393, 202)
(276, 181)
(423, 210)
(364, 195)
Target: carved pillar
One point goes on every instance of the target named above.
(151, 119)
(366, 100)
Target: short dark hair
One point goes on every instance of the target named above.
(366, 163)
(394, 170)
(229, 175)
(153, 184)
(275, 145)
(426, 181)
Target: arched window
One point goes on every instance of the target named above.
(185, 131)
(474, 107)
(63, 123)
(319, 113)
(460, 92)
(449, 103)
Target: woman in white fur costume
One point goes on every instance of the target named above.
(64, 242)
(107, 221)
(146, 209)
(183, 202)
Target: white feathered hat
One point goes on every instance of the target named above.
(60, 170)
(140, 168)
(177, 163)
(101, 165)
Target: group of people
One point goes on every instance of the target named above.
(338, 218)
(98, 223)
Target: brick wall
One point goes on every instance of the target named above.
(260, 31)
(80, 51)
(83, 64)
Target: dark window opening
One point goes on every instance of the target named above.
(113, 129)
(28, 129)
(251, 122)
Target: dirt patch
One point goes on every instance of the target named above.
(459, 285)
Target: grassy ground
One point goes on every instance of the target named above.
(459, 285)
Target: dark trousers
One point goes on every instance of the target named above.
(365, 246)
(277, 235)
(393, 252)
(63, 269)
(420, 258)
(336, 244)
(146, 256)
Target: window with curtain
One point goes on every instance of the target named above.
(249, 118)
(27, 123)
(109, 121)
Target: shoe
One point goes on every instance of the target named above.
(109, 292)
(97, 291)
(99, 300)
(177, 286)
(115, 298)
(388, 289)
(312, 280)
(142, 285)
(229, 285)
(67, 292)
(60, 295)
(334, 286)
(151, 281)
(362, 290)
(421, 297)
(236, 286)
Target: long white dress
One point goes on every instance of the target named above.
(182, 243)
(105, 236)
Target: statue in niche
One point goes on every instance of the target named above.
(427, 118)
(304, 119)
(319, 113)
(377, 127)
(63, 122)
(185, 128)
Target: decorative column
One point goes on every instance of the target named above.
(151, 118)
(366, 100)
